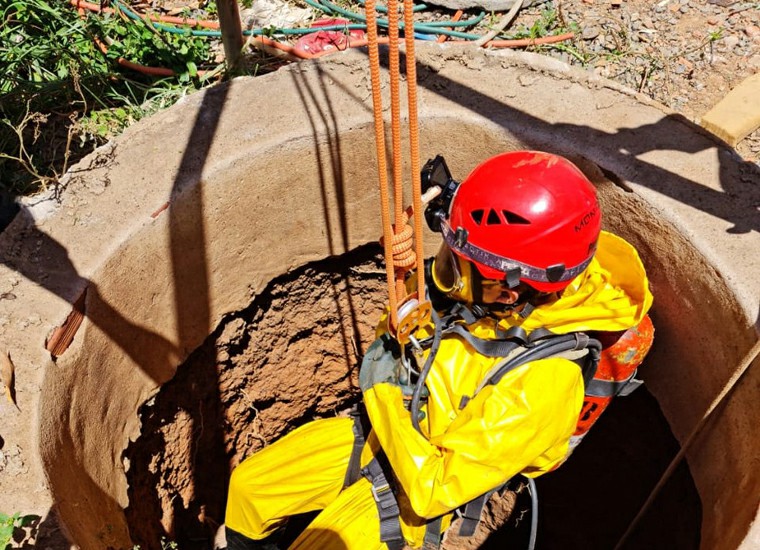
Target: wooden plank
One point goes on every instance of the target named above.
(738, 114)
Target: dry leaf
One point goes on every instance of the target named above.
(7, 375)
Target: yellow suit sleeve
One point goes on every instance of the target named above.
(522, 424)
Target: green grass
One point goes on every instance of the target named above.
(60, 96)
(8, 524)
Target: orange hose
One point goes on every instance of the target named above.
(457, 16)
(151, 71)
(523, 42)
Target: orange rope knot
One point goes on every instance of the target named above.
(402, 245)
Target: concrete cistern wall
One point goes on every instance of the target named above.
(187, 217)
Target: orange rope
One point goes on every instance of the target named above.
(398, 184)
(402, 243)
(414, 140)
(382, 168)
(404, 256)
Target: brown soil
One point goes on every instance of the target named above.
(289, 358)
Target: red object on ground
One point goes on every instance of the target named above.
(328, 40)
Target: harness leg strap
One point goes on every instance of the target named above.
(471, 514)
(387, 505)
(432, 539)
(353, 472)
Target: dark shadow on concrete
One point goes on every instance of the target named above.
(588, 503)
(34, 257)
(323, 121)
(189, 260)
(45, 261)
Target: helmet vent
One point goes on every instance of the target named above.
(493, 218)
(477, 216)
(514, 219)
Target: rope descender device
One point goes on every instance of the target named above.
(407, 311)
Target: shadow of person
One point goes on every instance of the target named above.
(42, 259)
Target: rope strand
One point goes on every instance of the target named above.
(382, 167)
(414, 139)
(401, 242)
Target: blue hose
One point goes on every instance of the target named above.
(425, 28)
(422, 31)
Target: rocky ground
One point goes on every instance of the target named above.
(686, 54)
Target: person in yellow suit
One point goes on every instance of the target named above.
(523, 284)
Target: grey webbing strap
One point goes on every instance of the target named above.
(353, 472)
(461, 311)
(387, 505)
(471, 515)
(611, 388)
(432, 540)
(488, 348)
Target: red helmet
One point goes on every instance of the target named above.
(525, 216)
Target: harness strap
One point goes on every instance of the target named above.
(387, 505)
(432, 540)
(488, 348)
(353, 472)
(611, 388)
(471, 514)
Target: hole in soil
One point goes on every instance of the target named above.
(292, 356)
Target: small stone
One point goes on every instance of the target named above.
(589, 33)
(731, 41)
(754, 62)
(753, 31)
(526, 80)
(684, 9)
(713, 20)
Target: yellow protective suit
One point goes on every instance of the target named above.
(522, 424)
